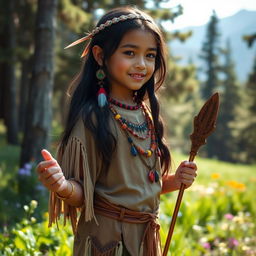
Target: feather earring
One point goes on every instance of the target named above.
(102, 95)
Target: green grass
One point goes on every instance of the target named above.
(9, 159)
(221, 188)
(227, 171)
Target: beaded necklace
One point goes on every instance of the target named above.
(123, 105)
(136, 149)
(132, 127)
(153, 175)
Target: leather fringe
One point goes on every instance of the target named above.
(72, 157)
(92, 248)
(88, 247)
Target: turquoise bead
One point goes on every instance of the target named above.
(102, 100)
(130, 139)
(156, 176)
(134, 151)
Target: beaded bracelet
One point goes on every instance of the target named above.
(70, 195)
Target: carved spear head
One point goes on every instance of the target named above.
(204, 123)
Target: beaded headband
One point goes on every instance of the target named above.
(108, 23)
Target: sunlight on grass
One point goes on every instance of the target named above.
(217, 213)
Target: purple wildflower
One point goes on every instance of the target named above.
(28, 166)
(232, 242)
(229, 216)
(206, 245)
(26, 170)
(21, 171)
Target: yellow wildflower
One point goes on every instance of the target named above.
(215, 175)
(236, 185)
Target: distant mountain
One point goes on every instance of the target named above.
(233, 27)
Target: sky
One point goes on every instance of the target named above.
(198, 12)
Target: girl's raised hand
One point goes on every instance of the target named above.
(186, 173)
(50, 173)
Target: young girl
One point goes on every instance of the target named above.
(112, 162)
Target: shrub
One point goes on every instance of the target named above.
(31, 238)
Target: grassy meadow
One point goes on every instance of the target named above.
(217, 214)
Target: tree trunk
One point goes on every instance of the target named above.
(23, 93)
(2, 91)
(8, 87)
(38, 121)
(3, 45)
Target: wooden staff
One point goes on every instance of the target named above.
(204, 125)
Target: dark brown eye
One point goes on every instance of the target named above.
(130, 53)
(151, 55)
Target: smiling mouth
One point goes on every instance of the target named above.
(137, 76)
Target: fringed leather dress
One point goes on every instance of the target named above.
(119, 216)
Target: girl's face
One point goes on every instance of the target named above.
(132, 64)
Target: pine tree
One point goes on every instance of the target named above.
(8, 87)
(227, 146)
(248, 133)
(210, 53)
(26, 11)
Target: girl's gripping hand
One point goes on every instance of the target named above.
(186, 173)
(50, 173)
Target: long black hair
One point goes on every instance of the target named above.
(84, 94)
